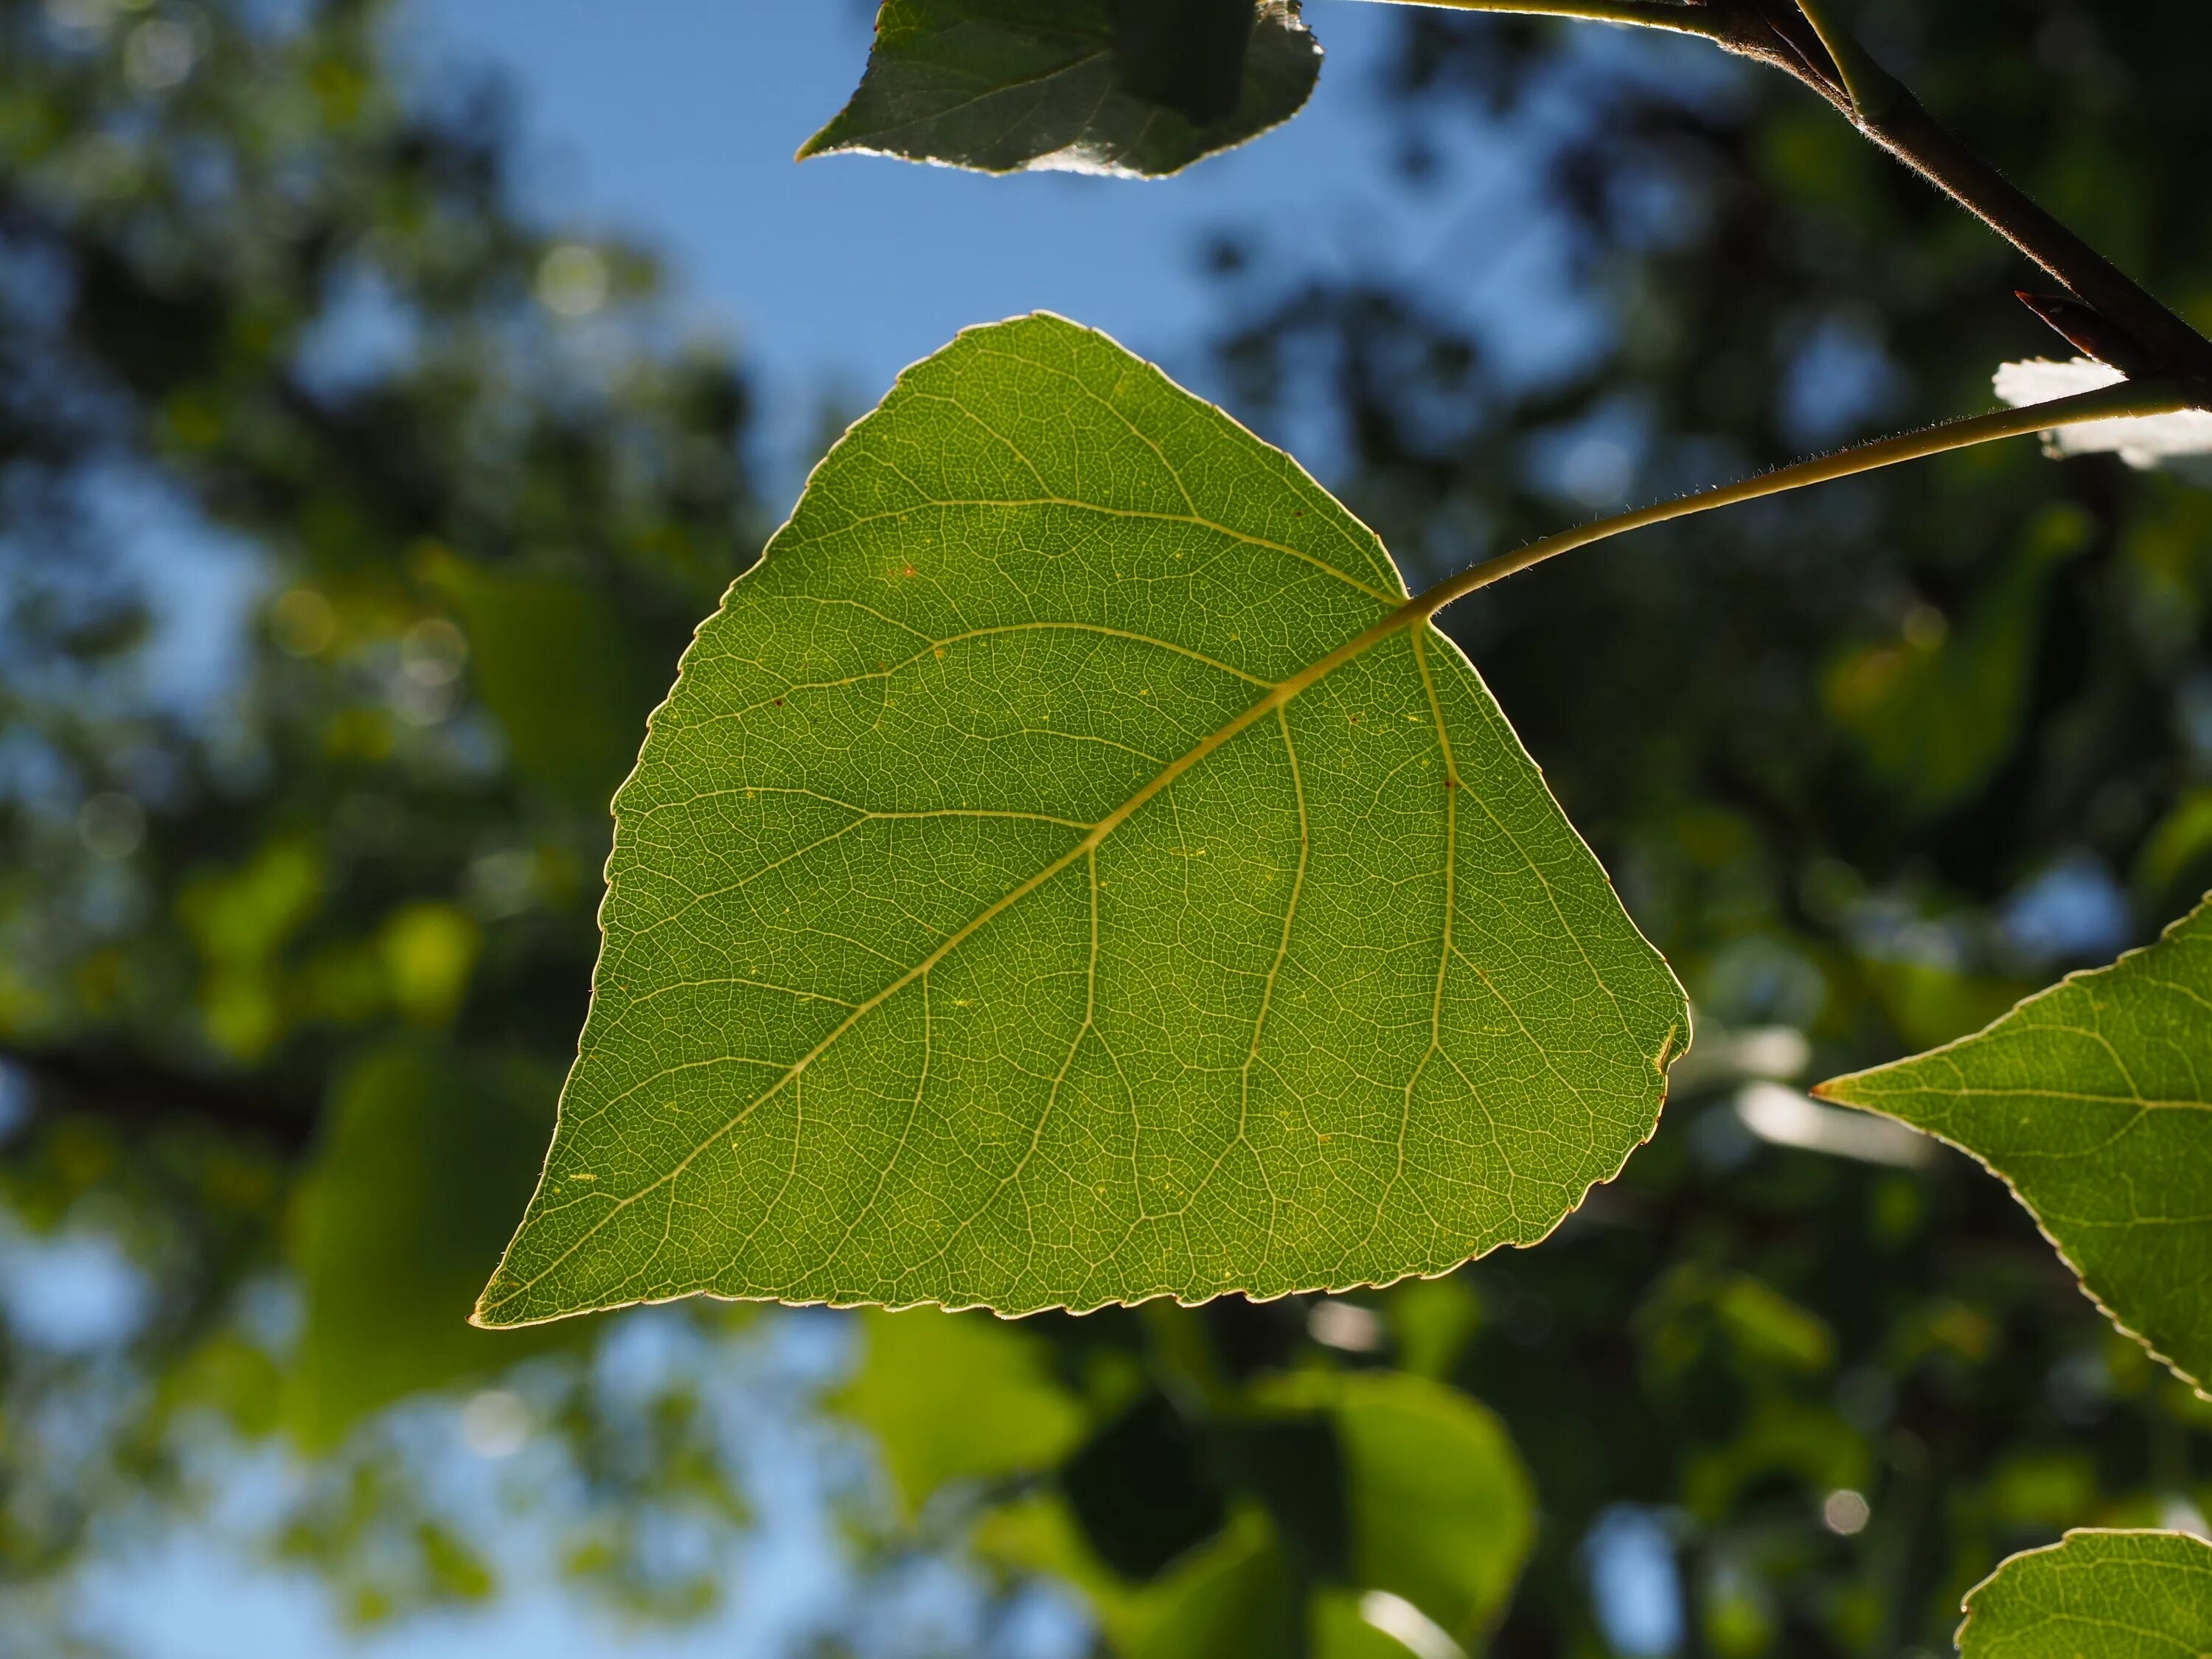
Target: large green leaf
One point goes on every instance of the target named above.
(1066, 872)
(1126, 87)
(2093, 1101)
(2096, 1595)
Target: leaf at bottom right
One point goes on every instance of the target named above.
(2096, 1595)
(2093, 1101)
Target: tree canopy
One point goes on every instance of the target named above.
(290, 976)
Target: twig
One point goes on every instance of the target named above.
(2111, 403)
(1807, 41)
(1872, 88)
(1897, 121)
(2131, 400)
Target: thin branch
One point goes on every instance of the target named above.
(1909, 132)
(110, 1082)
(1804, 38)
(1872, 88)
(1897, 120)
(2111, 403)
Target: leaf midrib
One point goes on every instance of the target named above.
(2079, 1097)
(1411, 612)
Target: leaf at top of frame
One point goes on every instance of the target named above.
(1130, 87)
(2093, 1101)
(1066, 872)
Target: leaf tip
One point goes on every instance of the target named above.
(493, 1310)
(1843, 1090)
(822, 144)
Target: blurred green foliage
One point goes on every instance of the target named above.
(287, 979)
(958, 1400)
(292, 961)
(392, 1217)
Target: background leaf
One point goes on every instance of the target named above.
(556, 665)
(390, 1233)
(1349, 1488)
(950, 1398)
(1936, 711)
(1440, 1511)
(2093, 1101)
(1128, 86)
(972, 938)
(2096, 1595)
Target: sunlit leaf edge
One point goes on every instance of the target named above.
(1828, 1089)
(832, 139)
(2073, 1537)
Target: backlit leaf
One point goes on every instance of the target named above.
(1126, 87)
(1437, 1517)
(1229, 1598)
(2095, 1595)
(2093, 1101)
(1066, 872)
(1234, 1598)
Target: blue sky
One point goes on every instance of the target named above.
(674, 121)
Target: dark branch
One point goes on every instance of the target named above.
(1775, 31)
(132, 1089)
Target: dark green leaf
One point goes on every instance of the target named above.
(1438, 1520)
(1936, 712)
(1140, 1490)
(953, 1397)
(1133, 87)
(1440, 1512)
(553, 661)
